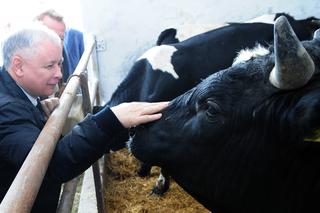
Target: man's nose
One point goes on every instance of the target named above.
(58, 72)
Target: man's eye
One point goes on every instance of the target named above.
(50, 66)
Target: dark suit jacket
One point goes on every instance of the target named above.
(74, 45)
(20, 125)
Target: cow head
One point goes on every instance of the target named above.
(243, 139)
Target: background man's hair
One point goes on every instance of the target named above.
(52, 14)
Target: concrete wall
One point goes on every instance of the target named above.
(126, 28)
(17, 13)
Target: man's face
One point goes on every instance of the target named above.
(40, 73)
(56, 26)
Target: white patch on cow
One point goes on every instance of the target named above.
(129, 142)
(160, 58)
(246, 54)
(189, 30)
(160, 181)
(267, 18)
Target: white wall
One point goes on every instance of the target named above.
(16, 13)
(129, 27)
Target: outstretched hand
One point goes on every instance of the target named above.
(135, 113)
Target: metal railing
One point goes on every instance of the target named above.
(23, 190)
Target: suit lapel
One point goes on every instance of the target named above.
(15, 91)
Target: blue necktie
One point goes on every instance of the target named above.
(39, 105)
(43, 117)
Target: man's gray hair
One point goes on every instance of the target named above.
(52, 14)
(25, 41)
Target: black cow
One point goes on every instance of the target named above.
(166, 71)
(246, 139)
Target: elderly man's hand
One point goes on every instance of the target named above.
(48, 105)
(135, 113)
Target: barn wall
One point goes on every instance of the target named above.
(126, 28)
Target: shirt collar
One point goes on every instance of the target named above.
(32, 99)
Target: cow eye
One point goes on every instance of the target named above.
(212, 110)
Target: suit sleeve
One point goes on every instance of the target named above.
(74, 153)
(18, 132)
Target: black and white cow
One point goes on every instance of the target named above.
(186, 31)
(246, 139)
(182, 32)
(166, 71)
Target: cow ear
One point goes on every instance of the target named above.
(293, 65)
(315, 23)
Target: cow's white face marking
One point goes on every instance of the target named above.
(160, 58)
(267, 18)
(246, 54)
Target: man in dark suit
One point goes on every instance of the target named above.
(32, 59)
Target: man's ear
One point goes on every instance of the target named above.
(16, 66)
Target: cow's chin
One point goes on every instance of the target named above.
(135, 146)
(138, 145)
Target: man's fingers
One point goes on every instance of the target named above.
(48, 105)
(135, 113)
(149, 118)
(154, 107)
(46, 111)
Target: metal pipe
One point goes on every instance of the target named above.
(69, 189)
(67, 196)
(86, 106)
(98, 186)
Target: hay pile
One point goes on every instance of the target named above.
(128, 193)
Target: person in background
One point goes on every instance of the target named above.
(32, 67)
(74, 44)
(55, 22)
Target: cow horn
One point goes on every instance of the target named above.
(293, 65)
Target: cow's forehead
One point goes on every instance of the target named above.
(249, 81)
(160, 57)
(247, 54)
